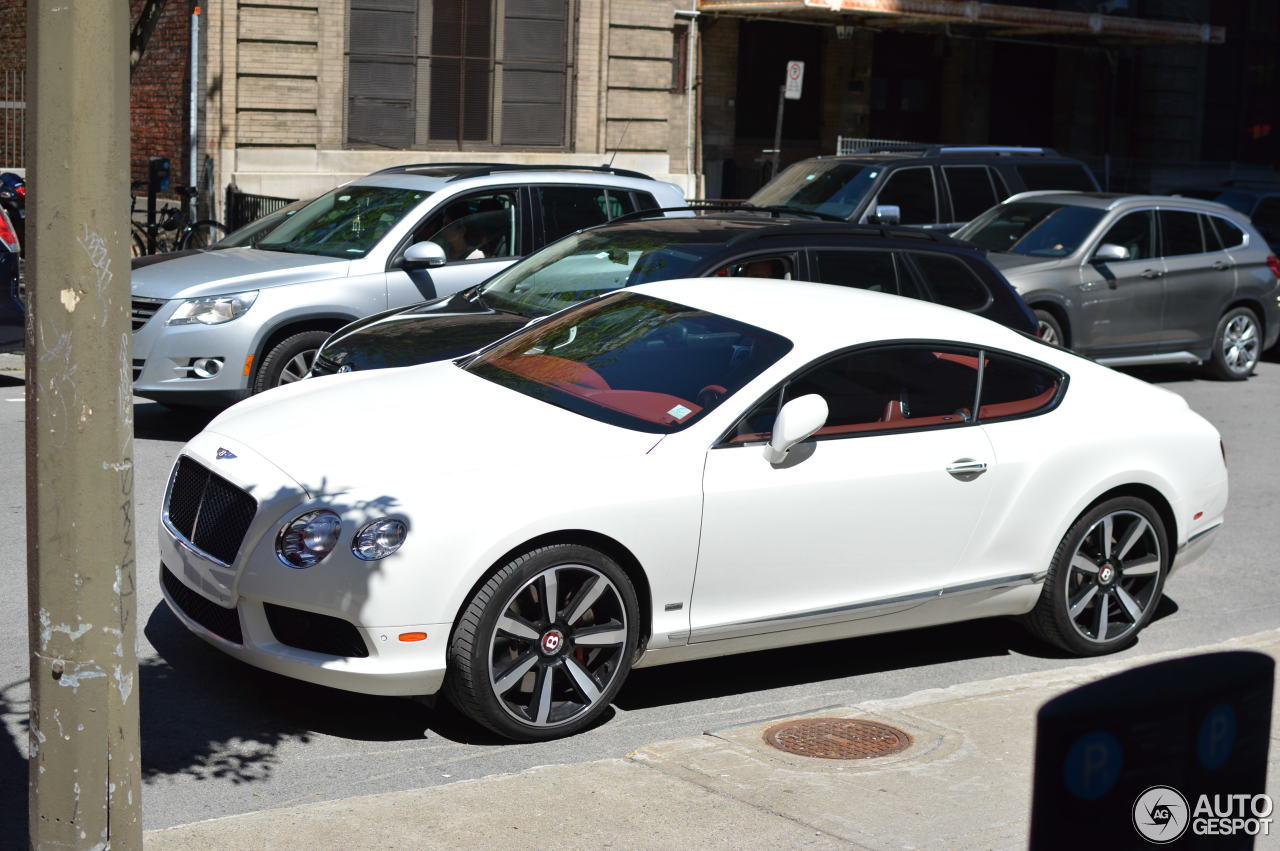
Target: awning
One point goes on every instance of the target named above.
(997, 18)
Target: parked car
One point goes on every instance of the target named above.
(12, 305)
(1257, 199)
(214, 327)
(901, 261)
(941, 186)
(681, 470)
(1139, 279)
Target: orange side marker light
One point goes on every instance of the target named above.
(413, 636)
(248, 365)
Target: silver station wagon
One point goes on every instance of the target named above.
(1138, 279)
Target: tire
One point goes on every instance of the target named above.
(529, 674)
(1237, 344)
(288, 360)
(203, 234)
(1086, 609)
(138, 244)
(1050, 328)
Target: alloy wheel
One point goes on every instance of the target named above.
(558, 645)
(1240, 343)
(297, 367)
(1114, 577)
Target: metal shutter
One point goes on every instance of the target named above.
(380, 73)
(535, 72)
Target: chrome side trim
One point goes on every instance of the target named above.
(855, 611)
(1140, 360)
(1198, 535)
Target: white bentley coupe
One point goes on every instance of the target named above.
(675, 471)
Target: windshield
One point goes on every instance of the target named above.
(583, 265)
(832, 187)
(347, 222)
(1036, 229)
(633, 361)
(258, 229)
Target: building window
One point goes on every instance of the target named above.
(679, 58)
(458, 73)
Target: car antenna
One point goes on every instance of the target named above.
(621, 139)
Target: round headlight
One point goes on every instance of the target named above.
(379, 539)
(308, 538)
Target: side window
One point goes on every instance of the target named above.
(1180, 232)
(1212, 242)
(1231, 236)
(566, 209)
(1056, 176)
(882, 389)
(866, 270)
(1136, 232)
(476, 227)
(639, 201)
(911, 190)
(1015, 388)
(971, 190)
(950, 281)
(774, 266)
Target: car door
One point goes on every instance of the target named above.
(1127, 310)
(861, 520)
(876, 269)
(972, 189)
(481, 233)
(1199, 278)
(561, 210)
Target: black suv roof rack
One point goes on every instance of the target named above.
(961, 150)
(460, 171)
(773, 212)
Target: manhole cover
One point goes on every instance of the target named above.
(837, 738)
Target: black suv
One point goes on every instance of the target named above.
(1257, 199)
(938, 187)
(902, 261)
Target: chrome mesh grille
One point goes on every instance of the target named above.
(209, 511)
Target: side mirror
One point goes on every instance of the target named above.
(797, 421)
(886, 214)
(1110, 251)
(424, 254)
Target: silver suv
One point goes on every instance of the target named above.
(215, 327)
(1138, 279)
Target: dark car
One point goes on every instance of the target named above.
(939, 186)
(12, 314)
(902, 261)
(1257, 199)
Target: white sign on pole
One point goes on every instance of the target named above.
(795, 79)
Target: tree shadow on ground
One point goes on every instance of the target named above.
(765, 670)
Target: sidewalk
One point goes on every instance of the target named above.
(965, 783)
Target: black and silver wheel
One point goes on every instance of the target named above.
(288, 360)
(1105, 579)
(545, 644)
(1236, 345)
(1050, 329)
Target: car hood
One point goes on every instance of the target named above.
(435, 330)
(1018, 264)
(395, 429)
(232, 270)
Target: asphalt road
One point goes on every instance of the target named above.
(220, 738)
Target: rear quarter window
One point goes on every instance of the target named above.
(1231, 236)
(950, 281)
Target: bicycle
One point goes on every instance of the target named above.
(174, 227)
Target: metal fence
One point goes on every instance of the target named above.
(13, 119)
(244, 207)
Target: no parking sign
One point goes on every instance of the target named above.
(795, 79)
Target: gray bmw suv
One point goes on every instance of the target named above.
(211, 328)
(1138, 279)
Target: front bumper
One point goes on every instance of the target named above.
(164, 357)
(393, 667)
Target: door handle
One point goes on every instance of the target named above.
(966, 469)
(1221, 264)
(1151, 273)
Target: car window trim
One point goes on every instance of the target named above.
(1204, 241)
(951, 201)
(884, 181)
(779, 388)
(922, 281)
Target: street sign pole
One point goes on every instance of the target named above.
(85, 766)
(789, 90)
